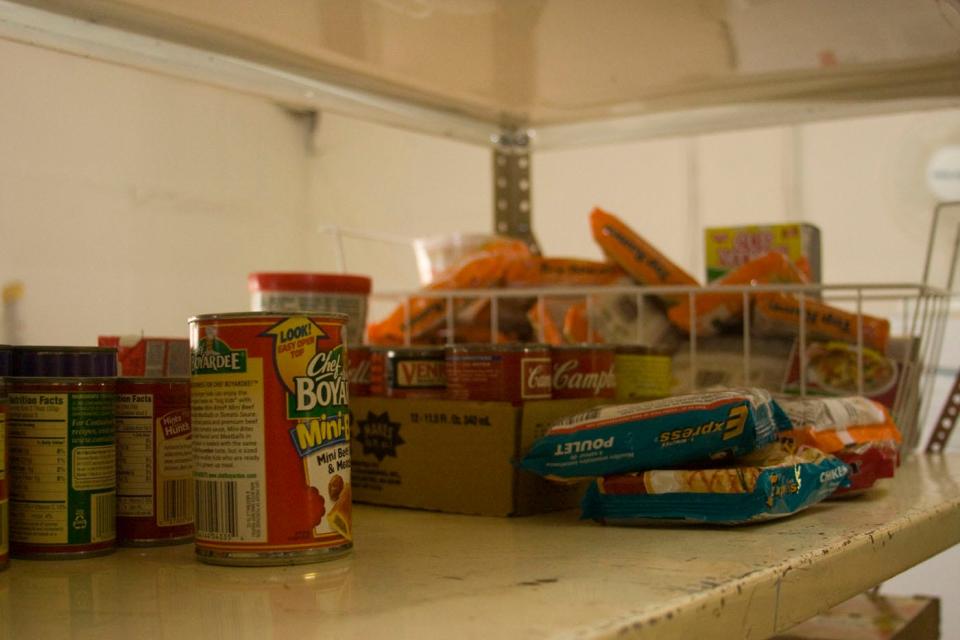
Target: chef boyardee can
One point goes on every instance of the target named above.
(4, 484)
(154, 461)
(271, 438)
(61, 450)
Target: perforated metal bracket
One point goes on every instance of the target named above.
(947, 420)
(511, 186)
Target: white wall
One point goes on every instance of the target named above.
(129, 201)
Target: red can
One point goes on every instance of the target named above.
(358, 370)
(271, 438)
(4, 488)
(583, 371)
(154, 461)
(499, 372)
(408, 372)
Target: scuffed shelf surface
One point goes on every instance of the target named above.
(416, 574)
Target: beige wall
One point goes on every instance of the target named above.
(129, 201)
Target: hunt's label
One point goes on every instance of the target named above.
(155, 494)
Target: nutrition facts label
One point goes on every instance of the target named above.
(135, 454)
(228, 447)
(62, 467)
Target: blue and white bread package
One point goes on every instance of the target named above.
(773, 482)
(659, 434)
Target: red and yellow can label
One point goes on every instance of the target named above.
(271, 432)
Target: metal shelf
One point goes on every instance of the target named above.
(424, 575)
(469, 70)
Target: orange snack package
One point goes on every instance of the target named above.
(479, 270)
(563, 318)
(569, 272)
(714, 310)
(576, 323)
(639, 258)
(547, 318)
(778, 314)
(834, 424)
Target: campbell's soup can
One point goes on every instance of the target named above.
(499, 372)
(271, 438)
(62, 452)
(4, 486)
(154, 461)
(408, 372)
(358, 370)
(583, 371)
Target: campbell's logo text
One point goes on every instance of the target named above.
(535, 378)
(567, 376)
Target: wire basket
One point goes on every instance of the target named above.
(901, 375)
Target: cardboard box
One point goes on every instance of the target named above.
(455, 456)
(139, 356)
(873, 617)
(729, 247)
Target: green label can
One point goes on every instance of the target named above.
(62, 454)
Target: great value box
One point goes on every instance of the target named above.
(455, 456)
(726, 248)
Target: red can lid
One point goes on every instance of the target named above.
(320, 282)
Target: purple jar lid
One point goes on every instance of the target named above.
(4, 360)
(64, 362)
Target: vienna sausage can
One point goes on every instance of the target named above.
(408, 372)
(154, 461)
(271, 438)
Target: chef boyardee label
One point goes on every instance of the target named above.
(271, 433)
(316, 384)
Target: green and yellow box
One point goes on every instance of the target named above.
(729, 247)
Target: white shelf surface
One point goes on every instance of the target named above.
(419, 575)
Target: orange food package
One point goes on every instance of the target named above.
(562, 319)
(574, 272)
(715, 310)
(547, 321)
(778, 315)
(483, 269)
(834, 424)
(644, 263)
